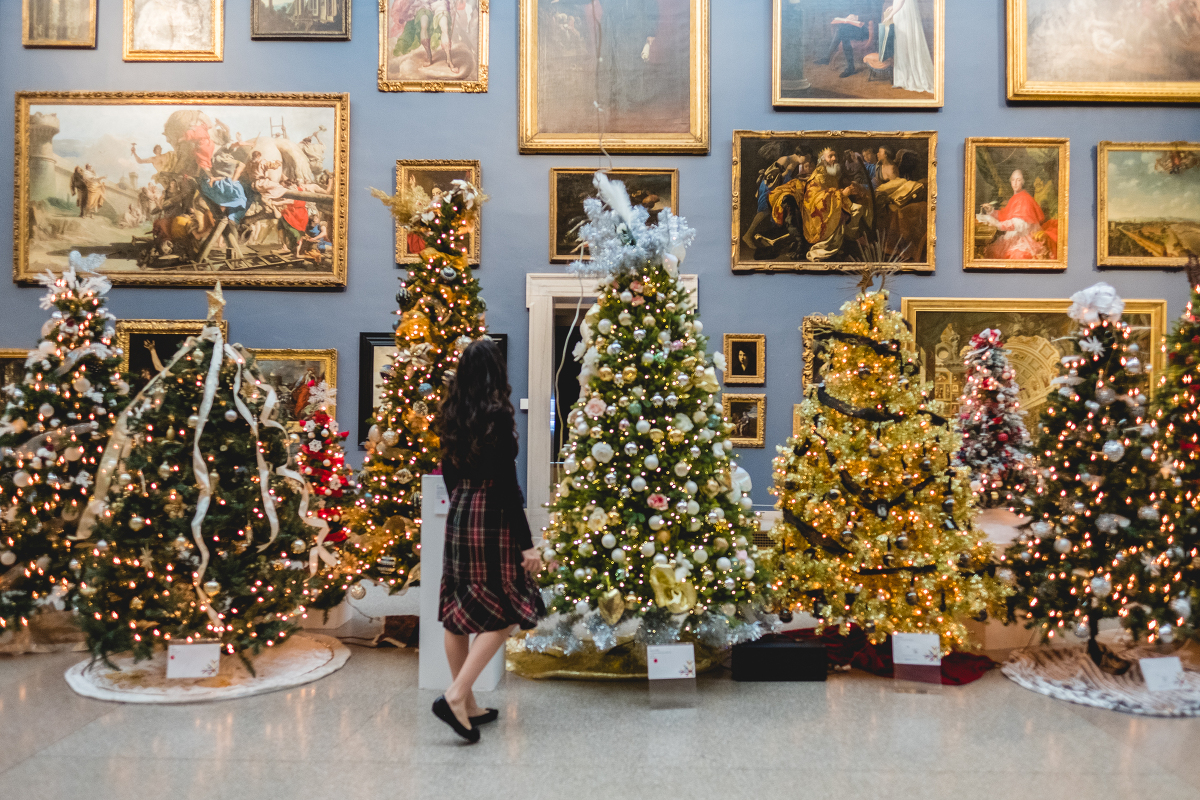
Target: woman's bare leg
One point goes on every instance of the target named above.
(457, 647)
(481, 652)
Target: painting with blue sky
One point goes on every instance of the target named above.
(1149, 204)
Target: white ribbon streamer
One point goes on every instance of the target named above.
(200, 468)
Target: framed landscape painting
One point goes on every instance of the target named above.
(433, 45)
(184, 189)
(653, 189)
(823, 201)
(150, 344)
(1147, 203)
(617, 76)
(1118, 50)
(426, 180)
(1015, 213)
(174, 30)
(858, 53)
(300, 19)
(58, 23)
(291, 371)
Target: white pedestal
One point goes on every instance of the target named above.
(433, 671)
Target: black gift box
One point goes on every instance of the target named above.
(779, 659)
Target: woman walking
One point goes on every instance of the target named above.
(487, 584)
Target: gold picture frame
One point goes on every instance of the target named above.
(138, 46)
(748, 413)
(577, 129)
(429, 176)
(797, 418)
(433, 78)
(745, 359)
(982, 242)
(139, 364)
(12, 365)
(35, 13)
(45, 196)
(288, 370)
(570, 186)
(1032, 328)
(796, 90)
(1142, 241)
(311, 28)
(811, 328)
(1024, 82)
(903, 232)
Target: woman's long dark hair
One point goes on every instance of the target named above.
(477, 413)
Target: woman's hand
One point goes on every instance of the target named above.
(531, 560)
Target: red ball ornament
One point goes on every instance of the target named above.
(1196, 339)
(1003, 437)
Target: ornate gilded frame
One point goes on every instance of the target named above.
(697, 140)
(1020, 87)
(1103, 258)
(337, 36)
(760, 400)
(217, 53)
(760, 352)
(433, 165)
(797, 418)
(558, 172)
(939, 66)
(339, 142)
(927, 266)
(27, 41)
(388, 85)
(328, 358)
(1064, 178)
(810, 328)
(126, 328)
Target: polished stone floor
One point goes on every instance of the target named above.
(366, 732)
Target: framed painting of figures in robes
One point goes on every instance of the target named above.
(433, 45)
(617, 76)
(858, 53)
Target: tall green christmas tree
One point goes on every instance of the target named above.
(440, 313)
(198, 525)
(650, 529)
(52, 434)
(878, 525)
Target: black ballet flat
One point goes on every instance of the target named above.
(442, 710)
(488, 715)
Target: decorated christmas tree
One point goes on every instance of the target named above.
(52, 433)
(197, 512)
(440, 313)
(878, 524)
(650, 526)
(1096, 475)
(995, 442)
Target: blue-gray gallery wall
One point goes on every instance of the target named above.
(389, 126)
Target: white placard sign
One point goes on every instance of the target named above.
(917, 649)
(193, 660)
(670, 661)
(443, 500)
(1162, 674)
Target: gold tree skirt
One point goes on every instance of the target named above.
(625, 662)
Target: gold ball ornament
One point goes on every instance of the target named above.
(629, 374)
(656, 435)
(675, 436)
(137, 603)
(605, 373)
(211, 587)
(299, 546)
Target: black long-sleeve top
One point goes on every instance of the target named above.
(497, 464)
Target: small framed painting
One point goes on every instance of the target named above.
(813, 331)
(653, 189)
(298, 19)
(433, 45)
(748, 413)
(745, 359)
(1147, 204)
(376, 354)
(426, 180)
(1016, 204)
(150, 344)
(58, 23)
(174, 30)
(12, 365)
(294, 374)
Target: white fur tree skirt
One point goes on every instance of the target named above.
(303, 658)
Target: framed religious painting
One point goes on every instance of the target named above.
(814, 330)
(615, 76)
(174, 30)
(1075, 50)
(858, 53)
(58, 23)
(297, 19)
(433, 45)
(653, 189)
(786, 186)
(184, 188)
(12, 365)
(1147, 204)
(745, 359)
(1035, 334)
(148, 345)
(748, 413)
(426, 181)
(1015, 213)
(296, 376)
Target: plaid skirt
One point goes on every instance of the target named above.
(484, 587)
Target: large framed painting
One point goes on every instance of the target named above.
(1015, 214)
(58, 23)
(823, 201)
(748, 413)
(1147, 204)
(433, 45)
(148, 345)
(300, 19)
(653, 189)
(294, 375)
(616, 76)
(174, 30)
(12, 365)
(858, 53)
(184, 189)
(425, 181)
(1034, 332)
(1115, 50)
